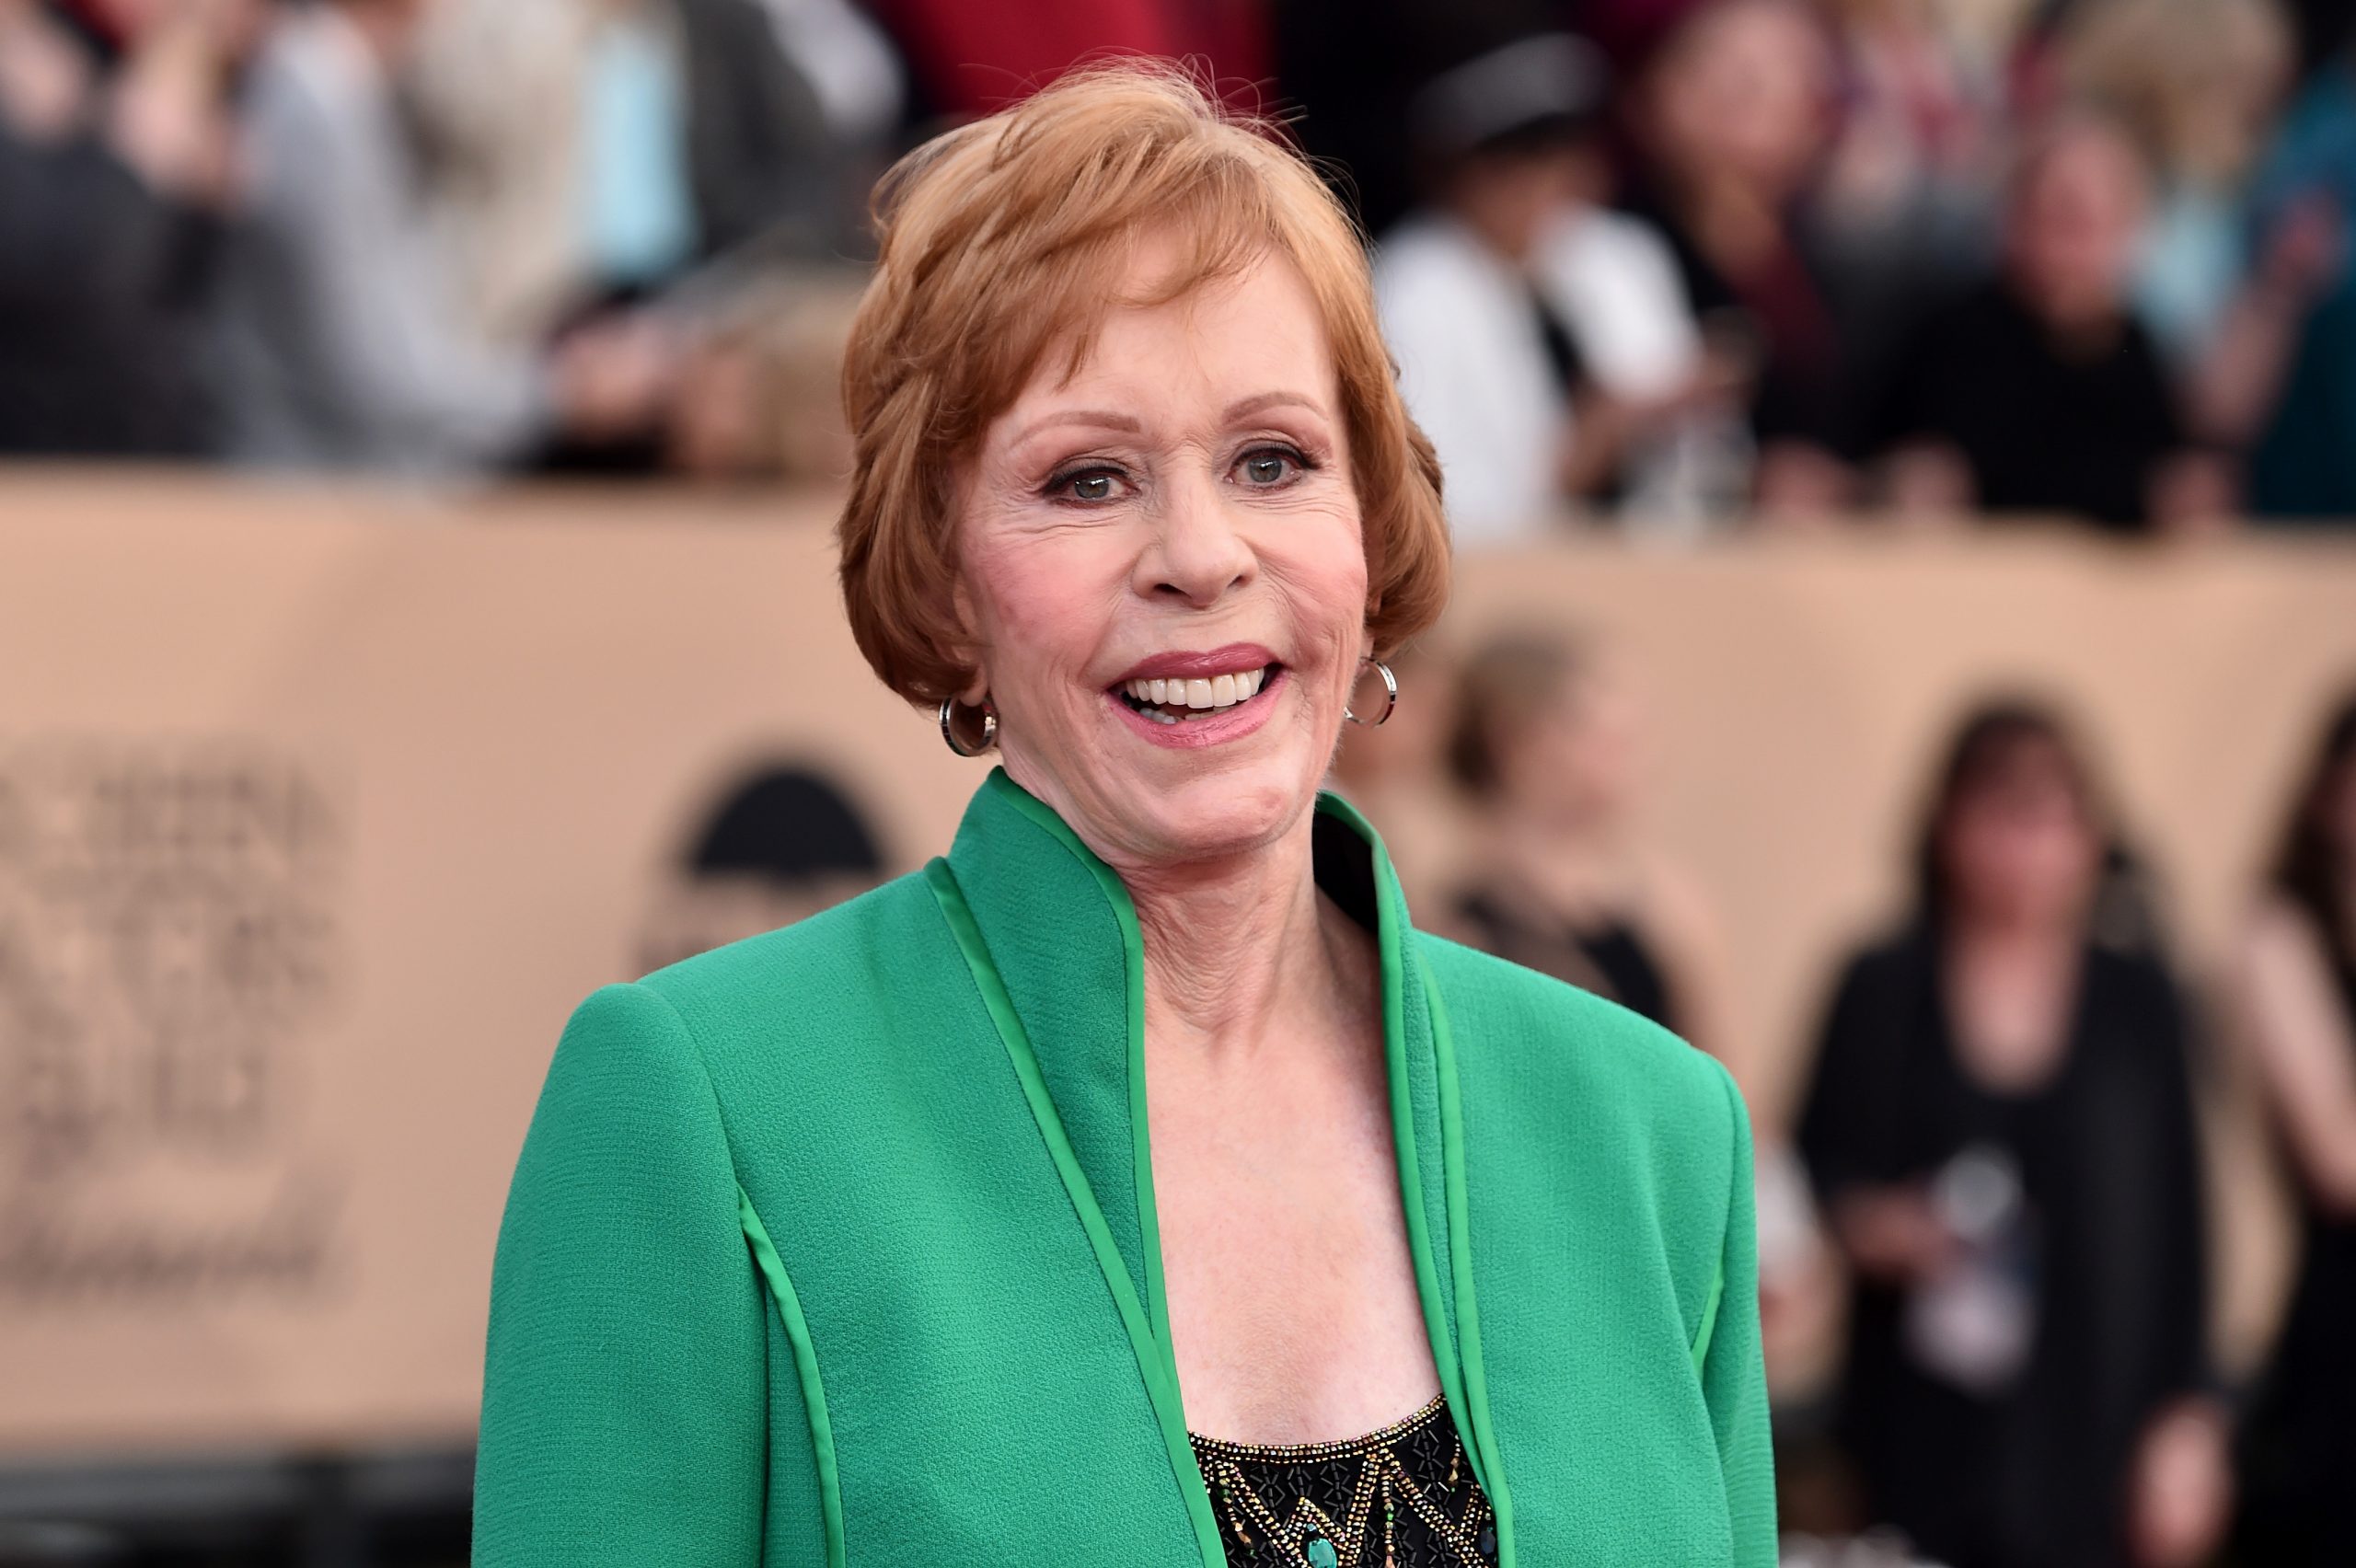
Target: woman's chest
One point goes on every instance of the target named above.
(1291, 1290)
(985, 1399)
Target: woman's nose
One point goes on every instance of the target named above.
(1197, 551)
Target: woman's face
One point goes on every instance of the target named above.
(1580, 758)
(1164, 574)
(2018, 844)
(1744, 94)
(2075, 224)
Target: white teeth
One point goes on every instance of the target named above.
(1217, 691)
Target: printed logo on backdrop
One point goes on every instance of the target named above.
(168, 949)
(779, 841)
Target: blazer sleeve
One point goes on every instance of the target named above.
(625, 1391)
(1734, 1373)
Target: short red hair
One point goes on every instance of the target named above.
(1010, 239)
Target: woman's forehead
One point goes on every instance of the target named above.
(1229, 345)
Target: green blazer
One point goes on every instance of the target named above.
(837, 1246)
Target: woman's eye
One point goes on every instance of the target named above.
(1269, 468)
(1087, 485)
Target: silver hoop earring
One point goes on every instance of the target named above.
(1389, 698)
(949, 729)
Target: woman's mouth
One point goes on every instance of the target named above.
(1178, 700)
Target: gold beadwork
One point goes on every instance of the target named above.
(1382, 1477)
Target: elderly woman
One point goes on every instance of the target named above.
(1135, 1184)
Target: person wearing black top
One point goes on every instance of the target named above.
(116, 174)
(1728, 122)
(2298, 990)
(2039, 391)
(2001, 1133)
(1548, 743)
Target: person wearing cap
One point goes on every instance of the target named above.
(1543, 342)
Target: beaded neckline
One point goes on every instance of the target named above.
(1403, 1496)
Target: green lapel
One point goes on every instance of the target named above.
(1051, 937)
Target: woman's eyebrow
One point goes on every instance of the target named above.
(1095, 418)
(1105, 419)
(1261, 401)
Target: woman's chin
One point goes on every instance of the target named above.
(1219, 814)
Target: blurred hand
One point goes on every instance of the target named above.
(2183, 1487)
(2192, 495)
(2306, 250)
(1928, 479)
(1803, 488)
(170, 117)
(613, 377)
(1894, 1235)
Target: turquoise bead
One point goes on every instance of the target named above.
(1320, 1553)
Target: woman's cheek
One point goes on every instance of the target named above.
(1042, 598)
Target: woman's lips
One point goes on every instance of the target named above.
(1233, 658)
(1207, 726)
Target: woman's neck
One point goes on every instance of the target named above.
(1570, 856)
(1520, 824)
(1240, 951)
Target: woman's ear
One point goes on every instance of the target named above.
(965, 645)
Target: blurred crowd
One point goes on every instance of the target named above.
(1918, 260)
(1991, 1206)
(1669, 267)
(1662, 266)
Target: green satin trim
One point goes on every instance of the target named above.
(1483, 1435)
(805, 1363)
(1709, 1320)
(1459, 1361)
(1155, 1362)
(1447, 1354)
(1124, 913)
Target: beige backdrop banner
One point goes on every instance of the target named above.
(319, 810)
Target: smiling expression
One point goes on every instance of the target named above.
(1163, 571)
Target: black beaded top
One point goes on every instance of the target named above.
(1403, 1497)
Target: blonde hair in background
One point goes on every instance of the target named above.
(2194, 82)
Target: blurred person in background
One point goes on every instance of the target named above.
(1549, 746)
(117, 164)
(588, 152)
(2198, 84)
(1554, 870)
(2039, 391)
(2002, 1136)
(338, 340)
(1730, 122)
(1902, 213)
(2302, 394)
(1543, 342)
(2236, 255)
(2297, 991)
